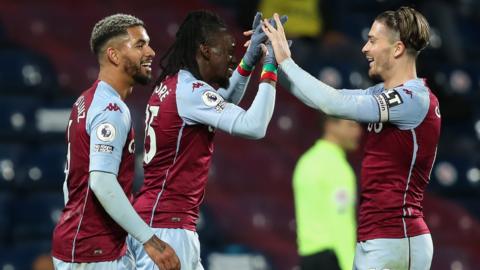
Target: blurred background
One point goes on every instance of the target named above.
(247, 218)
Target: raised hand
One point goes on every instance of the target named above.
(254, 51)
(162, 254)
(277, 38)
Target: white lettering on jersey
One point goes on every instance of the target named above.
(161, 91)
(437, 111)
(376, 127)
(131, 146)
(80, 103)
(106, 132)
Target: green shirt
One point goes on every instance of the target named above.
(324, 190)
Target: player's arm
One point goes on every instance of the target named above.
(401, 106)
(208, 107)
(241, 76)
(286, 83)
(111, 196)
(108, 132)
(237, 86)
(205, 106)
(363, 108)
(108, 135)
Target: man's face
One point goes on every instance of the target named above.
(379, 50)
(137, 55)
(346, 132)
(222, 59)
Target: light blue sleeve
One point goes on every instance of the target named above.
(286, 83)
(374, 106)
(235, 91)
(205, 106)
(406, 106)
(108, 130)
(356, 92)
(320, 96)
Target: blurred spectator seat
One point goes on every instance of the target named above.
(5, 215)
(10, 155)
(43, 168)
(35, 216)
(24, 72)
(17, 116)
(21, 255)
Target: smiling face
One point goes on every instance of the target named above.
(136, 55)
(222, 60)
(380, 50)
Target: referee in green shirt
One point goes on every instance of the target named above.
(325, 197)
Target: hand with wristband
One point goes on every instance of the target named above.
(254, 50)
(270, 66)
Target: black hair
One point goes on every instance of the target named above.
(111, 27)
(195, 29)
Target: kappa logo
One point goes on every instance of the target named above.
(197, 85)
(408, 92)
(113, 107)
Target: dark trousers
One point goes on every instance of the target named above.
(324, 260)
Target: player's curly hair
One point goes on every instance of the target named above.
(195, 29)
(110, 27)
(411, 26)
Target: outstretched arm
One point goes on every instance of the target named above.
(315, 93)
(108, 132)
(209, 108)
(241, 76)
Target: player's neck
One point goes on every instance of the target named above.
(402, 73)
(119, 82)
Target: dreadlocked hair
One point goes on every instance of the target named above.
(195, 29)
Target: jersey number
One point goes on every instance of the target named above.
(150, 113)
(377, 127)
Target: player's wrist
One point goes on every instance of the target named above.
(269, 73)
(244, 69)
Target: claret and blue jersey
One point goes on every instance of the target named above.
(100, 138)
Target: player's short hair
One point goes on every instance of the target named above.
(411, 26)
(197, 28)
(111, 27)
